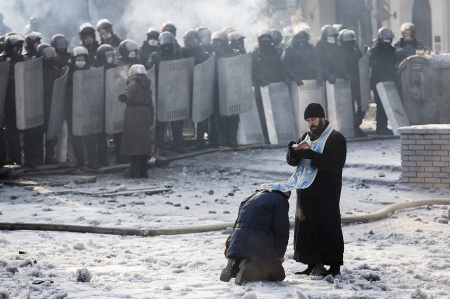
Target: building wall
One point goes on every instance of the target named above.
(401, 12)
(318, 13)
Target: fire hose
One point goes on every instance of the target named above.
(205, 228)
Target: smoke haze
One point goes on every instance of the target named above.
(132, 18)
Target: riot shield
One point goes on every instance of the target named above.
(29, 94)
(340, 107)
(56, 118)
(203, 90)
(279, 113)
(4, 72)
(235, 84)
(393, 105)
(302, 96)
(151, 76)
(174, 89)
(364, 81)
(250, 131)
(88, 99)
(115, 83)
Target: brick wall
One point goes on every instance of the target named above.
(425, 155)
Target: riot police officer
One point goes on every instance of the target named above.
(266, 68)
(405, 47)
(128, 53)
(106, 57)
(167, 51)
(170, 27)
(32, 41)
(13, 53)
(329, 55)
(382, 62)
(300, 58)
(50, 72)
(79, 61)
(205, 38)
(351, 56)
(60, 43)
(88, 40)
(225, 127)
(193, 48)
(106, 33)
(277, 38)
(407, 44)
(149, 46)
(236, 40)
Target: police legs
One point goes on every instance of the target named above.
(117, 148)
(232, 128)
(32, 140)
(381, 116)
(143, 166)
(50, 151)
(177, 133)
(77, 145)
(102, 149)
(213, 137)
(134, 166)
(3, 151)
(202, 128)
(91, 148)
(159, 137)
(262, 116)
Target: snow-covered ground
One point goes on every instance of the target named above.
(406, 255)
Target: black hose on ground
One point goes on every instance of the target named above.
(204, 228)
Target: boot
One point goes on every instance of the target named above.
(244, 274)
(143, 166)
(319, 270)
(230, 270)
(134, 166)
(334, 270)
(307, 271)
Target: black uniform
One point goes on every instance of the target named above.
(330, 61)
(300, 62)
(12, 133)
(382, 62)
(145, 51)
(222, 127)
(200, 56)
(50, 72)
(77, 141)
(266, 68)
(176, 126)
(351, 54)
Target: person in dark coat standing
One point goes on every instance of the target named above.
(319, 156)
(382, 63)
(329, 55)
(259, 240)
(193, 48)
(13, 53)
(266, 68)
(136, 142)
(50, 72)
(223, 129)
(300, 58)
(351, 54)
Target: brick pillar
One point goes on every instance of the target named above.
(425, 155)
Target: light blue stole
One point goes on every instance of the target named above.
(304, 174)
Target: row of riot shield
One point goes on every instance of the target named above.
(184, 91)
(284, 107)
